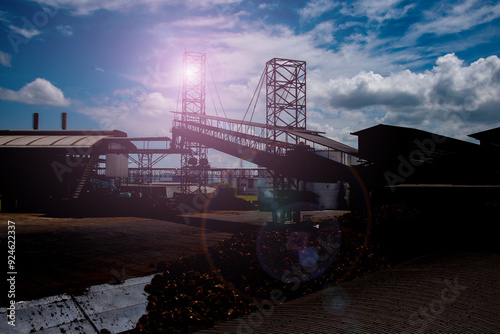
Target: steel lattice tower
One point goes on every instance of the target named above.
(285, 96)
(194, 165)
(285, 107)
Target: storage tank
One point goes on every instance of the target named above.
(116, 164)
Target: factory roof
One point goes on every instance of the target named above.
(491, 136)
(56, 139)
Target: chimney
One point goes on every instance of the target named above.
(35, 121)
(64, 121)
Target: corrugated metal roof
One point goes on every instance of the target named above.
(49, 141)
(7, 139)
(109, 133)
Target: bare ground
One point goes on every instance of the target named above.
(56, 255)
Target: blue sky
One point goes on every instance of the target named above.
(431, 65)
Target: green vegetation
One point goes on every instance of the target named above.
(248, 198)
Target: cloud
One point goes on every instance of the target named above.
(65, 30)
(316, 8)
(323, 33)
(98, 69)
(3, 16)
(268, 5)
(88, 7)
(39, 91)
(445, 18)
(450, 96)
(5, 59)
(26, 33)
(377, 10)
(219, 22)
(135, 111)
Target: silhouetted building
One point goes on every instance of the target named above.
(400, 157)
(39, 164)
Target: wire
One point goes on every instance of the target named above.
(258, 89)
(213, 102)
(258, 95)
(215, 87)
(179, 90)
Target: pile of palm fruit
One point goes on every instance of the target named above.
(235, 276)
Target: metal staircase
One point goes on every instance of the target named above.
(85, 176)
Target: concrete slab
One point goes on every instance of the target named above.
(48, 315)
(116, 308)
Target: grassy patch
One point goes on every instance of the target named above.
(248, 198)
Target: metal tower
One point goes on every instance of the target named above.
(194, 165)
(285, 109)
(285, 96)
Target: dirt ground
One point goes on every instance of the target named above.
(56, 255)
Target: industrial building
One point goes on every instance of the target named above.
(298, 168)
(40, 165)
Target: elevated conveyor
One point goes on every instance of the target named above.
(315, 159)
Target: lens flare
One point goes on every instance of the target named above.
(297, 254)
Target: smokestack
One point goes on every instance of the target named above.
(35, 121)
(64, 121)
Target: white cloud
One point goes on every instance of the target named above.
(26, 33)
(268, 5)
(135, 111)
(316, 8)
(5, 59)
(155, 104)
(88, 7)
(66, 30)
(3, 16)
(454, 18)
(39, 91)
(219, 22)
(323, 33)
(377, 10)
(450, 97)
(210, 3)
(237, 59)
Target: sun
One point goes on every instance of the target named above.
(191, 72)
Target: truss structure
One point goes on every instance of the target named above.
(285, 109)
(194, 165)
(285, 97)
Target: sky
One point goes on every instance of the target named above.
(116, 64)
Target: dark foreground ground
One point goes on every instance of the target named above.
(253, 271)
(456, 293)
(245, 266)
(57, 255)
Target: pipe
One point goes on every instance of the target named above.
(35, 121)
(64, 121)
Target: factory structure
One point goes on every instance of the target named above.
(296, 169)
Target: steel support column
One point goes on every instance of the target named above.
(194, 165)
(285, 108)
